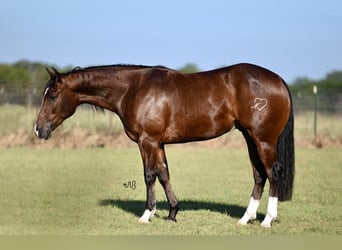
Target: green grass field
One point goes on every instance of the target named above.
(81, 191)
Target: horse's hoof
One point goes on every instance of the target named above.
(241, 223)
(171, 219)
(265, 225)
(143, 220)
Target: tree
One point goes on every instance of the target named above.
(189, 68)
(21, 82)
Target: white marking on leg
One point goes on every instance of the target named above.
(272, 212)
(250, 213)
(148, 214)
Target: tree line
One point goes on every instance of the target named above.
(22, 82)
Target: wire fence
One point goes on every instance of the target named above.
(318, 120)
(329, 102)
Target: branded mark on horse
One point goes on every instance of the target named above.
(259, 103)
(159, 106)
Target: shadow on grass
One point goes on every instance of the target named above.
(137, 207)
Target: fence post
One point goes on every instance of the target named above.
(315, 112)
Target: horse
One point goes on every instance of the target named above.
(158, 106)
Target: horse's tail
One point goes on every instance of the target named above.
(286, 158)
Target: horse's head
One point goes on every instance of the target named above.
(59, 102)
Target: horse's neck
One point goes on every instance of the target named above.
(101, 89)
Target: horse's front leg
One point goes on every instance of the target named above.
(155, 165)
(151, 204)
(164, 179)
(150, 174)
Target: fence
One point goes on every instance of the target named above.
(329, 102)
(13, 93)
(326, 101)
(323, 126)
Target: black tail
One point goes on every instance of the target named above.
(286, 159)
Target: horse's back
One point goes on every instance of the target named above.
(177, 107)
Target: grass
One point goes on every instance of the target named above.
(81, 192)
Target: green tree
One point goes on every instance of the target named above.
(21, 82)
(189, 68)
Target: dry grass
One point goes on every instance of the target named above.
(88, 128)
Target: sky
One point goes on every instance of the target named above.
(294, 38)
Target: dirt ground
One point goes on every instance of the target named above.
(82, 140)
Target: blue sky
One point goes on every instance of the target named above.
(295, 38)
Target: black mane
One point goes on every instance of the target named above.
(113, 66)
(79, 69)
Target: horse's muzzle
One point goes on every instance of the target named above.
(42, 132)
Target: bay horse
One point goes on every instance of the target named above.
(159, 106)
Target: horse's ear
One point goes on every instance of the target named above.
(58, 76)
(51, 74)
(54, 74)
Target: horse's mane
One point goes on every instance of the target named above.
(79, 69)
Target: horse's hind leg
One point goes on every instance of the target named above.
(259, 181)
(267, 153)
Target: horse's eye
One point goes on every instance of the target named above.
(53, 96)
